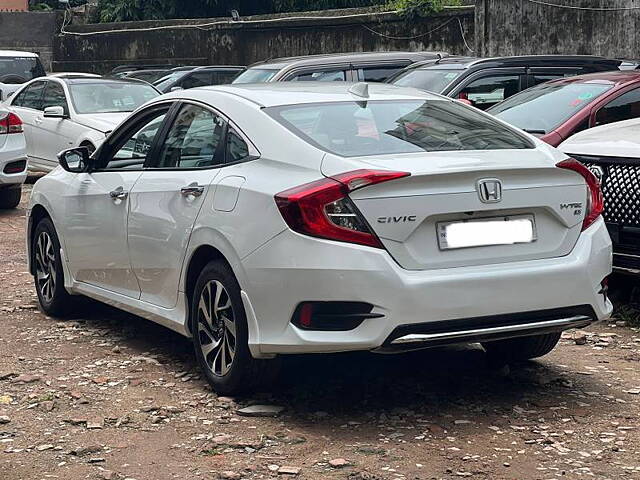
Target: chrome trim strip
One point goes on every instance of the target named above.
(562, 323)
(625, 255)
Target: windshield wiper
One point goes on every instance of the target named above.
(534, 132)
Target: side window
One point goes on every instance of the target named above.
(224, 77)
(131, 150)
(537, 78)
(378, 74)
(31, 97)
(237, 148)
(194, 140)
(486, 92)
(321, 76)
(197, 79)
(54, 97)
(625, 107)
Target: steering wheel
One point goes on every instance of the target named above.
(12, 79)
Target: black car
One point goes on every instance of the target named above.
(349, 67)
(484, 82)
(185, 78)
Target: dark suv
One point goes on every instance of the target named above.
(484, 82)
(349, 67)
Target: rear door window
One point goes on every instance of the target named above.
(378, 74)
(31, 97)
(320, 76)
(624, 107)
(487, 91)
(197, 79)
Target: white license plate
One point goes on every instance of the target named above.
(485, 232)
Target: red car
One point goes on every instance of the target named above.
(555, 110)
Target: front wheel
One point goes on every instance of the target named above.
(49, 277)
(221, 336)
(10, 197)
(522, 348)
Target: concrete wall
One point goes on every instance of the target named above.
(261, 38)
(30, 31)
(518, 27)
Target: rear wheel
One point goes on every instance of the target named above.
(10, 197)
(49, 277)
(522, 348)
(221, 336)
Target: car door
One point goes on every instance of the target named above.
(168, 197)
(27, 105)
(98, 202)
(486, 88)
(54, 134)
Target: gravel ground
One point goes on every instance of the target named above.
(106, 395)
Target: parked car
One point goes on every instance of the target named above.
(66, 111)
(306, 218)
(556, 110)
(484, 82)
(149, 76)
(350, 67)
(612, 153)
(17, 68)
(183, 79)
(13, 159)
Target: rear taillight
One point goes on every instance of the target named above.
(10, 123)
(323, 208)
(595, 199)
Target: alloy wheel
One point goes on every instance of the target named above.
(45, 267)
(216, 328)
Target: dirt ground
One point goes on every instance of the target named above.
(107, 395)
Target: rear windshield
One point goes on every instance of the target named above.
(20, 69)
(256, 75)
(352, 129)
(433, 80)
(545, 107)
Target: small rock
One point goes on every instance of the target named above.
(261, 411)
(273, 468)
(5, 399)
(95, 424)
(82, 451)
(149, 360)
(107, 475)
(116, 349)
(229, 475)
(634, 391)
(42, 448)
(97, 460)
(27, 378)
(48, 405)
(580, 337)
(338, 462)
(4, 420)
(286, 470)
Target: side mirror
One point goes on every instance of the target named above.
(54, 112)
(176, 89)
(75, 160)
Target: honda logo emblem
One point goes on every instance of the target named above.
(489, 190)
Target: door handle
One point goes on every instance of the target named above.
(193, 190)
(119, 194)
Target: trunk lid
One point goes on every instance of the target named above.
(408, 214)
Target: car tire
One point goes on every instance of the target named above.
(522, 348)
(49, 276)
(221, 336)
(10, 197)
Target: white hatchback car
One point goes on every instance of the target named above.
(69, 110)
(277, 218)
(13, 159)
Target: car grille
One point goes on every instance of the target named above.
(620, 178)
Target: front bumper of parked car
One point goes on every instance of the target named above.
(418, 308)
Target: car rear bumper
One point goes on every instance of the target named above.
(13, 150)
(446, 306)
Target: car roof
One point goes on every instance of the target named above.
(279, 63)
(288, 93)
(522, 60)
(616, 78)
(17, 53)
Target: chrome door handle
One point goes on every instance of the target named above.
(193, 190)
(119, 194)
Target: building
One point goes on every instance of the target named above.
(14, 5)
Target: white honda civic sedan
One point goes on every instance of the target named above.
(273, 219)
(70, 110)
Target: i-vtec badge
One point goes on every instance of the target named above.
(401, 219)
(576, 207)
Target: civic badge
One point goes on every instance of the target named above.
(489, 190)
